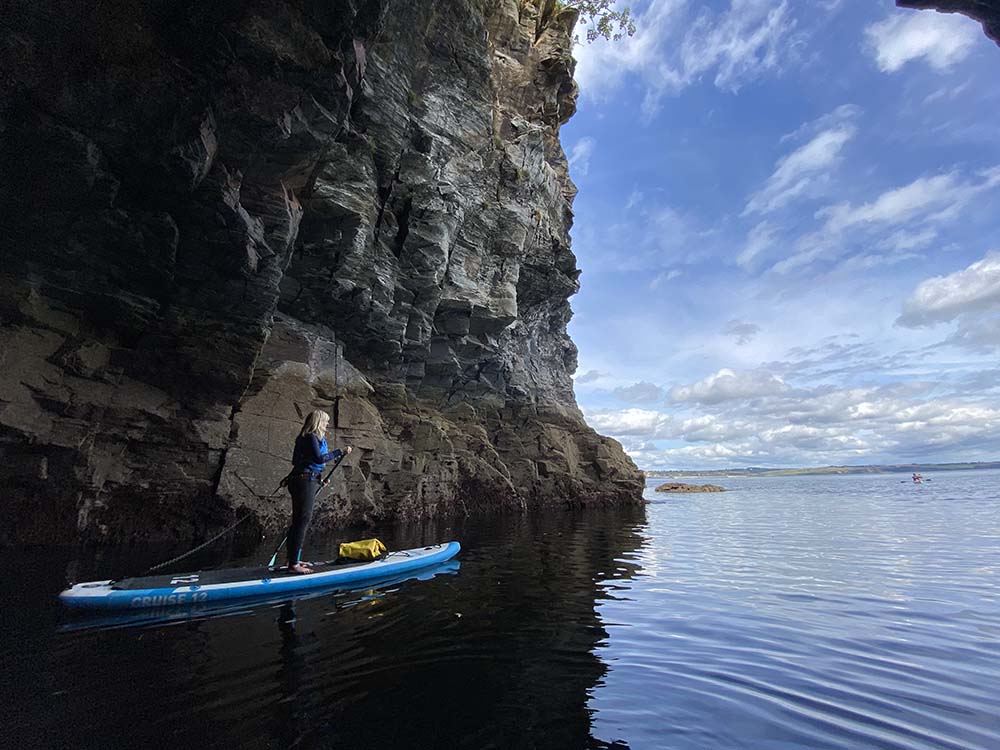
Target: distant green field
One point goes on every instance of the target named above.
(875, 469)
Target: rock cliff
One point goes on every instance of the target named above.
(219, 216)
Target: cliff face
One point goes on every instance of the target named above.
(219, 216)
(987, 12)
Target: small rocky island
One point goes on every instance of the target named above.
(681, 487)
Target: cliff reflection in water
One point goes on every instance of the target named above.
(500, 655)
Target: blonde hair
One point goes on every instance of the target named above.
(315, 423)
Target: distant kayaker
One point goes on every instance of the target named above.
(308, 462)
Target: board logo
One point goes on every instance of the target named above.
(184, 579)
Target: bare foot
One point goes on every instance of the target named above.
(299, 569)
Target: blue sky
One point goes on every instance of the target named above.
(788, 232)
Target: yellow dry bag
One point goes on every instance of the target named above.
(366, 549)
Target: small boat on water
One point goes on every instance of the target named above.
(245, 583)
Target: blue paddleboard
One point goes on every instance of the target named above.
(245, 583)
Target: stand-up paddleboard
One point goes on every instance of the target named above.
(245, 583)
(346, 596)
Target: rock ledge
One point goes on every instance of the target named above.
(681, 487)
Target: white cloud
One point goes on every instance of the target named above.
(831, 402)
(807, 438)
(843, 113)
(728, 385)
(711, 428)
(634, 199)
(906, 239)
(664, 277)
(870, 261)
(805, 172)
(629, 422)
(936, 198)
(640, 393)
(975, 289)
(926, 201)
(798, 172)
(761, 237)
(655, 240)
(942, 39)
(946, 93)
(739, 44)
(670, 52)
(820, 426)
(697, 456)
(579, 155)
(978, 334)
(602, 65)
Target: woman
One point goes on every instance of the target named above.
(308, 461)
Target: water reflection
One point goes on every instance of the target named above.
(812, 612)
(90, 620)
(501, 655)
(290, 721)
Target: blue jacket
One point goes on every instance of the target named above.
(310, 454)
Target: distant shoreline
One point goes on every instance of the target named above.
(754, 471)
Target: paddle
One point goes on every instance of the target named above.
(322, 485)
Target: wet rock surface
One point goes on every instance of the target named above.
(219, 216)
(682, 487)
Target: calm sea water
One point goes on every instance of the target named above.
(808, 612)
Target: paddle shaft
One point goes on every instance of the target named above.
(323, 483)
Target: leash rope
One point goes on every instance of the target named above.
(284, 482)
(221, 534)
(196, 549)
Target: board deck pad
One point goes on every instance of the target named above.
(226, 575)
(202, 586)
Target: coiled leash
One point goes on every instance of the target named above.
(281, 485)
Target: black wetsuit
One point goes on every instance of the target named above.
(309, 459)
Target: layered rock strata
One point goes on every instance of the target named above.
(219, 216)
